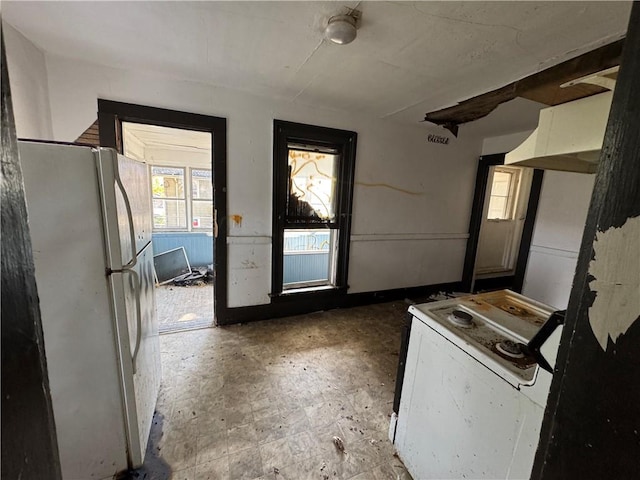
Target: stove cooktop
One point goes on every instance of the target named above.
(494, 328)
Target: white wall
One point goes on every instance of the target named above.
(28, 80)
(562, 213)
(412, 199)
(503, 143)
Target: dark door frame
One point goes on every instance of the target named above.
(29, 440)
(110, 117)
(482, 177)
(592, 421)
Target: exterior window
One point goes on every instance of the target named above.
(503, 190)
(170, 192)
(312, 185)
(201, 199)
(308, 258)
(313, 188)
(169, 202)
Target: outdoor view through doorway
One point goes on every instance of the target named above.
(180, 173)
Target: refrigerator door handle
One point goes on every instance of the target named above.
(136, 349)
(132, 232)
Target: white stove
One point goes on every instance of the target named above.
(473, 395)
(497, 322)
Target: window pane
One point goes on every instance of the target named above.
(307, 257)
(497, 208)
(202, 214)
(501, 182)
(167, 182)
(169, 213)
(201, 185)
(312, 181)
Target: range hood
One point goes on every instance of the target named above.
(568, 138)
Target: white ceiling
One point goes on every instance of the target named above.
(409, 57)
(167, 137)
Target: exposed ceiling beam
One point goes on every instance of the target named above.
(543, 87)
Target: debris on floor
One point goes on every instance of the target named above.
(337, 441)
(434, 297)
(347, 355)
(325, 476)
(199, 276)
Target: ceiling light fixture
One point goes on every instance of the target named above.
(341, 29)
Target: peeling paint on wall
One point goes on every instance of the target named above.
(237, 220)
(386, 185)
(248, 264)
(616, 281)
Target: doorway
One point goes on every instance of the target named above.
(179, 165)
(186, 158)
(501, 226)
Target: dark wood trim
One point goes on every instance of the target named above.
(591, 427)
(482, 177)
(29, 441)
(408, 293)
(527, 230)
(110, 116)
(299, 305)
(495, 283)
(345, 141)
(405, 336)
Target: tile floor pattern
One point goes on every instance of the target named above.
(263, 401)
(182, 308)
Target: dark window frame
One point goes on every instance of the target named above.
(345, 142)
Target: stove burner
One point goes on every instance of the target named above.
(461, 319)
(510, 349)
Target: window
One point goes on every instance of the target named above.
(169, 203)
(308, 256)
(201, 199)
(313, 187)
(170, 192)
(503, 191)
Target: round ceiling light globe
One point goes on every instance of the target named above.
(341, 29)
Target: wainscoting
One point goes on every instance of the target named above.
(198, 246)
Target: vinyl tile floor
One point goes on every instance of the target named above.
(264, 400)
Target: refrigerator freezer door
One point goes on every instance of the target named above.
(134, 176)
(63, 205)
(140, 346)
(126, 192)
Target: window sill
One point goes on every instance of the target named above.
(310, 289)
(182, 232)
(312, 292)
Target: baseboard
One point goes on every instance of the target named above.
(494, 283)
(313, 303)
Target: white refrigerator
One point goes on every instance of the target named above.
(89, 214)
